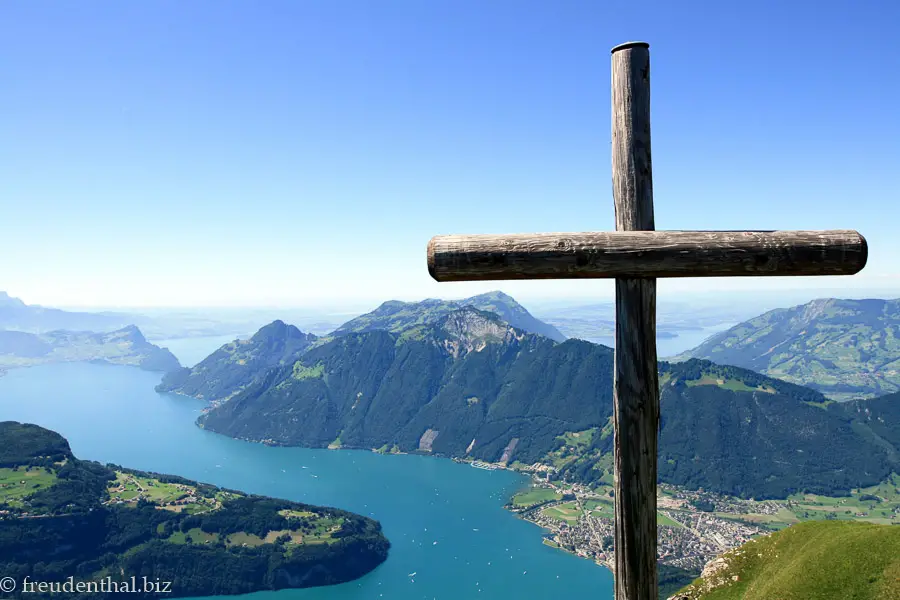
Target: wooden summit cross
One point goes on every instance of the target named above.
(635, 255)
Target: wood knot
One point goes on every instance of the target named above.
(564, 244)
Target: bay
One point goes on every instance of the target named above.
(445, 521)
(667, 347)
(191, 351)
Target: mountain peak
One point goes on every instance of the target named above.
(7, 301)
(277, 329)
(235, 365)
(389, 307)
(493, 295)
(396, 316)
(131, 333)
(513, 313)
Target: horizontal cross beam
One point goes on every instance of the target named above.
(645, 254)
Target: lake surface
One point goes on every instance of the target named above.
(445, 521)
(667, 347)
(190, 351)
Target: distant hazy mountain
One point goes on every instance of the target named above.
(470, 385)
(233, 366)
(16, 315)
(125, 346)
(395, 316)
(844, 348)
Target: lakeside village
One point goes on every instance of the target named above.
(694, 526)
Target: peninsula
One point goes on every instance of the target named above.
(62, 518)
(126, 346)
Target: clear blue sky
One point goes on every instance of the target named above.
(275, 152)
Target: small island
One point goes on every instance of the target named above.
(62, 517)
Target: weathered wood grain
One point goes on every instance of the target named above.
(635, 387)
(645, 254)
(635, 439)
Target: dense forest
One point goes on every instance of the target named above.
(490, 395)
(225, 547)
(377, 388)
(733, 431)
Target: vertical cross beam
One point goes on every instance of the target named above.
(636, 389)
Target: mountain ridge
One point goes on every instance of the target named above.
(466, 384)
(126, 346)
(847, 349)
(211, 380)
(31, 318)
(395, 315)
(399, 373)
(233, 366)
(515, 396)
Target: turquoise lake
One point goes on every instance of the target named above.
(445, 521)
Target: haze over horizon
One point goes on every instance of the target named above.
(289, 154)
(739, 301)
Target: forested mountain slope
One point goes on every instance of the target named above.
(470, 385)
(847, 349)
(62, 517)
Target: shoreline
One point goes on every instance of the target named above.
(689, 537)
(550, 536)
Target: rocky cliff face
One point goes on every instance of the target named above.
(471, 330)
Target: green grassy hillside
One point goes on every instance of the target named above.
(817, 560)
(846, 349)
